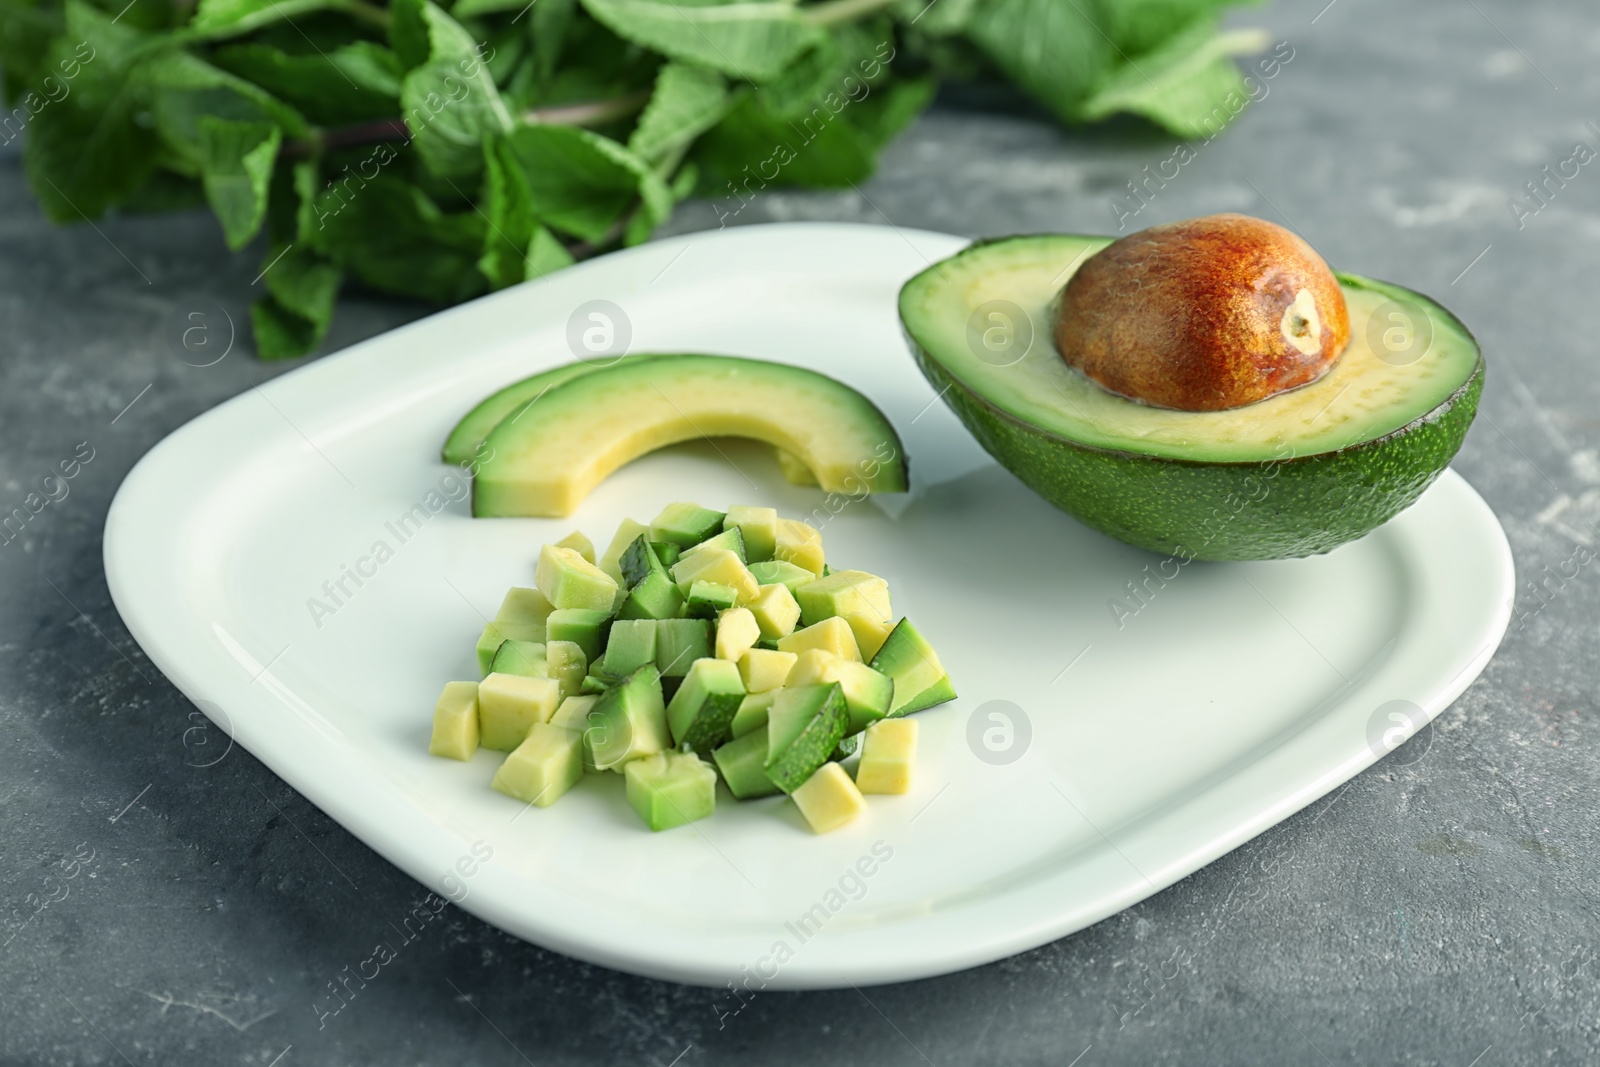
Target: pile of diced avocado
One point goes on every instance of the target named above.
(704, 645)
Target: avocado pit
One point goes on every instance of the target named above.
(1204, 315)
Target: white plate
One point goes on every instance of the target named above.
(1237, 695)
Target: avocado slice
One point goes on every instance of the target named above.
(591, 424)
(1293, 475)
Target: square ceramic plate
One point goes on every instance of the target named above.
(1084, 767)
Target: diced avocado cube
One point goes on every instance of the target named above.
(779, 572)
(667, 552)
(685, 525)
(737, 633)
(632, 645)
(455, 721)
(527, 658)
(574, 714)
(759, 528)
(730, 539)
(628, 721)
(509, 705)
(844, 593)
(870, 634)
(655, 597)
(833, 634)
(763, 669)
(752, 713)
(868, 694)
(706, 599)
(570, 581)
(908, 658)
(716, 565)
(523, 609)
(828, 799)
(489, 643)
(776, 611)
(888, 753)
(794, 468)
(679, 642)
(547, 764)
(702, 710)
(803, 726)
(583, 627)
(566, 663)
(799, 543)
(937, 693)
(671, 789)
(638, 561)
(627, 532)
(579, 544)
(743, 763)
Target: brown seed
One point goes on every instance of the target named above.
(1213, 313)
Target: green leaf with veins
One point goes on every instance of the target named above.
(508, 205)
(450, 103)
(89, 151)
(546, 254)
(391, 235)
(353, 83)
(754, 149)
(184, 89)
(236, 161)
(218, 18)
(1190, 85)
(1052, 48)
(1139, 26)
(750, 39)
(687, 101)
(293, 318)
(583, 184)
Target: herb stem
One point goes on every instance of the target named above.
(587, 113)
(370, 13)
(833, 12)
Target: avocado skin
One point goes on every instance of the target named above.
(1285, 509)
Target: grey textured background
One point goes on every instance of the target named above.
(1438, 910)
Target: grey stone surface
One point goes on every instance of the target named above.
(1437, 910)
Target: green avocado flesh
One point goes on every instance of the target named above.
(582, 429)
(1293, 475)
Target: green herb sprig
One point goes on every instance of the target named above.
(440, 150)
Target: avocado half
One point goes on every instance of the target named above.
(1296, 474)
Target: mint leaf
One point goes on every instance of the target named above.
(508, 203)
(942, 18)
(391, 235)
(755, 148)
(1051, 48)
(750, 39)
(353, 83)
(450, 102)
(1190, 85)
(217, 18)
(581, 183)
(89, 151)
(1139, 26)
(293, 318)
(25, 33)
(687, 101)
(471, 8)
(236, 161)
(408, 32)
(888, 110)
(546, 255)
(183, 89)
